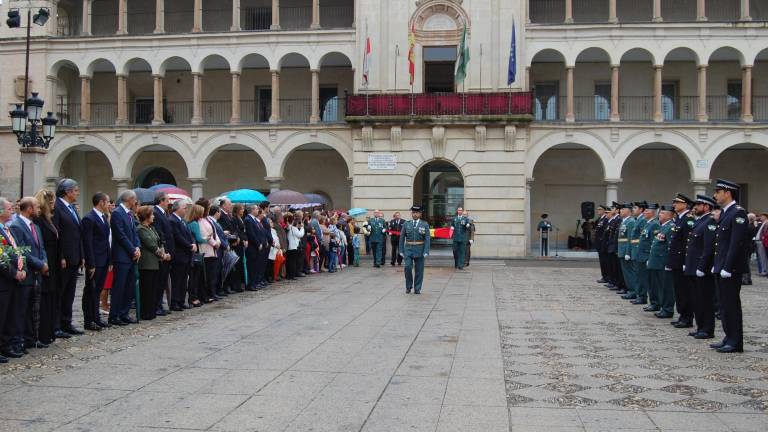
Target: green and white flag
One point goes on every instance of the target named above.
(463, 58)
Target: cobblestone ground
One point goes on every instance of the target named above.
(522, 345)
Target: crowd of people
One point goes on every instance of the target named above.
(156, 258)
(692, 255)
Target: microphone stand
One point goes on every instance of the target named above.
(557, 240)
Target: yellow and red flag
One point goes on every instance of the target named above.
(412, 52)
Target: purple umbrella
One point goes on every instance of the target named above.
(286, 197)
(316, 198)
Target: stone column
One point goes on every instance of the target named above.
(122, 17)
(612, 190)
(197, 94)
(51, 86)
(315, 116)
(612, 17)
(615, 115)
(657, 11)
(528, 190)
(235, 16)
(702, 114)
(32, 160)
(157, 118)
(123, 184)
(85, 100)
(569, 11)
(274, 183)
(159, 16)
(197, 26)
(527, 78)
(275, 15)
(315, 14)
(745, 11)
(746, 89)
(122, 100)
(570, 116)
(275, 117)
(701, 10)
(235, 98)
(658, 116)
(700, 187)
(197, 187)
(86, 18)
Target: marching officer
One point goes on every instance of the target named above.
(731, 242)
(638, 286)
(414, 247)
(625, 230)
(661, 278)
(460, 226)
(699, 256)
(683, 223)
(600, 227)
(378, 236)
(651, 227)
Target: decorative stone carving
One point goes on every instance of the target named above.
(367, 137)
(396, 138)
(439, 22)
(438, 141)
(510, 138)
(481, 133)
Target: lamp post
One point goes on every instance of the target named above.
(34, 145)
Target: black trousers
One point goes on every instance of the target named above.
(614, 268)
(703, 303)
(148, 287)
(683, 301)
(394, 241)
(6, 299)
(730, 309)
(91, 294)
(212, 270)
(68, 287)
(49, 310)
(179, 276)
(292, 261)
(17, 325)
(196, 284)
(601, 258)
(163, 282)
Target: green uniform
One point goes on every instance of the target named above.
(638, 266)
(661, 280)
(414, 246)
(648, 232)
(460, 227)
(378, 226)
(625, 229)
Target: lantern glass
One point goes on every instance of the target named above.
(41, 17)
(34, 107)
(18, 119)
(49, 126)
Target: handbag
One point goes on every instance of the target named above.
(197, 259)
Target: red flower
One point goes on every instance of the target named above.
(5, 243)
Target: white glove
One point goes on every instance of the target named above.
(724, 274)
(425, 255)
(471, 241)
(683, 267)
(627, 257)
(667, 269)
(384, 231)
(401, 254)
(700, 273)
(713, 270)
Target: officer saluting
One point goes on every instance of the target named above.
(414, 247)
(730, 263)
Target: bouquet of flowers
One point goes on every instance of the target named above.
(9, 254)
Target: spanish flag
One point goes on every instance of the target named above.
(444, 233)
(412, 52)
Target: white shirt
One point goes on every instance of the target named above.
(162, 210)
(25, 220)
(127, 210)
(101, 217)
(294, 237)
(731, 204)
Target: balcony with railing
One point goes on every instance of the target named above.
(429, 107)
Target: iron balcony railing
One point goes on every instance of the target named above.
(427, 105)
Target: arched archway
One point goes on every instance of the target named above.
(547, 76)
(234, 167)
(156, 163)
(745, 164)
(154, 175)
(311, 167)
(439, 187)
(92, 169)
(655, 172)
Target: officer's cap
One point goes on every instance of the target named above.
(615, 205)
(721, 184)
(544, 216)
(641, 204)
(683, 199)
(603, 207)
(667, 208)
(704, 199)
(653, 206)
(416, 208)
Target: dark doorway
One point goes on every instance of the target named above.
(439, 68)
(439, 187)
(154, 176)
(264, 104)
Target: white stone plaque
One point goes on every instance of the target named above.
(702, 163)
(382, 161)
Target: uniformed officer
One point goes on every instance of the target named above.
(731, 242)
(616, 283)
(459, 229)
(651, 227)
(378, 236)
(699, 256)
(544, 228)
(627, 270)
(661, 278)
(639, 292)
(414, 247)
(470, 237)
(600, 227)
(683, 223)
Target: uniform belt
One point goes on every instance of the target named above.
(622, 240)
(414, 242)
(635, 241)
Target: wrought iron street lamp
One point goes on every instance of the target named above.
(33, 114)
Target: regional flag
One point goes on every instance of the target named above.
(412, 53)
(367, 61)
(463, 58)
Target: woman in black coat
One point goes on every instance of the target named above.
(48, 300)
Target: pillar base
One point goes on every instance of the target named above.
(315, 27)
(159, 31)
(569, 21)
(702, 118)
(274, 27)
(747, 118)
(570, 118)
(196, 121)
(314, 120)
(158, 122)
(615, 118)
(745, 18)
(121, 122)
(234, 120)
(658, 118)
(657, 19)
(613, 20)
(274, 120)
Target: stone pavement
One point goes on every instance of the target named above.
(522, 345)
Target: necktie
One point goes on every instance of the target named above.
(19, 260)
(34, 233)
(104, 218)
(73, 212)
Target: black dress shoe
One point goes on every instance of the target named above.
(717, 345)
(610, 285)
(3, 359)
(693, 333)
(129, 320)
(22, 349)
(11, 353)
(60, 334)
(621, 292)
(683, 324)
(46, 341)
(629, 296)
(730, 349)
(161, 312)
(117, 322)
(407, 291)
(92, 327)
(73, 331)
(601, 281)
(702, 335)
(662, 315)
(103, 324)
(177, 308)
(650, 309)
(639, 302)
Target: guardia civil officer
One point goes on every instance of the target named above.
(544, 229)
(460, 226)
(627, 270)
(638, 287)
(683, 224)
(414, 247)
(660, 275)
(699, 256)
(378, 237)
(731, 242)
(651, 227)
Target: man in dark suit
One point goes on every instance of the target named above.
(67, 223)
(184, 246)
(394, 228)
(264, 206)
(699, 255)
(731, 242)
(11, 273)
(611, 239)
(125, 255)
(684, 222)
(600, 227)
(28, 235)
(97, 251)
(254, 252)
(163, 227)
(232, 234)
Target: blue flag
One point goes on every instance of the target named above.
(512, 73)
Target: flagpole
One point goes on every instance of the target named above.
(481, 68)
(397, 55)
